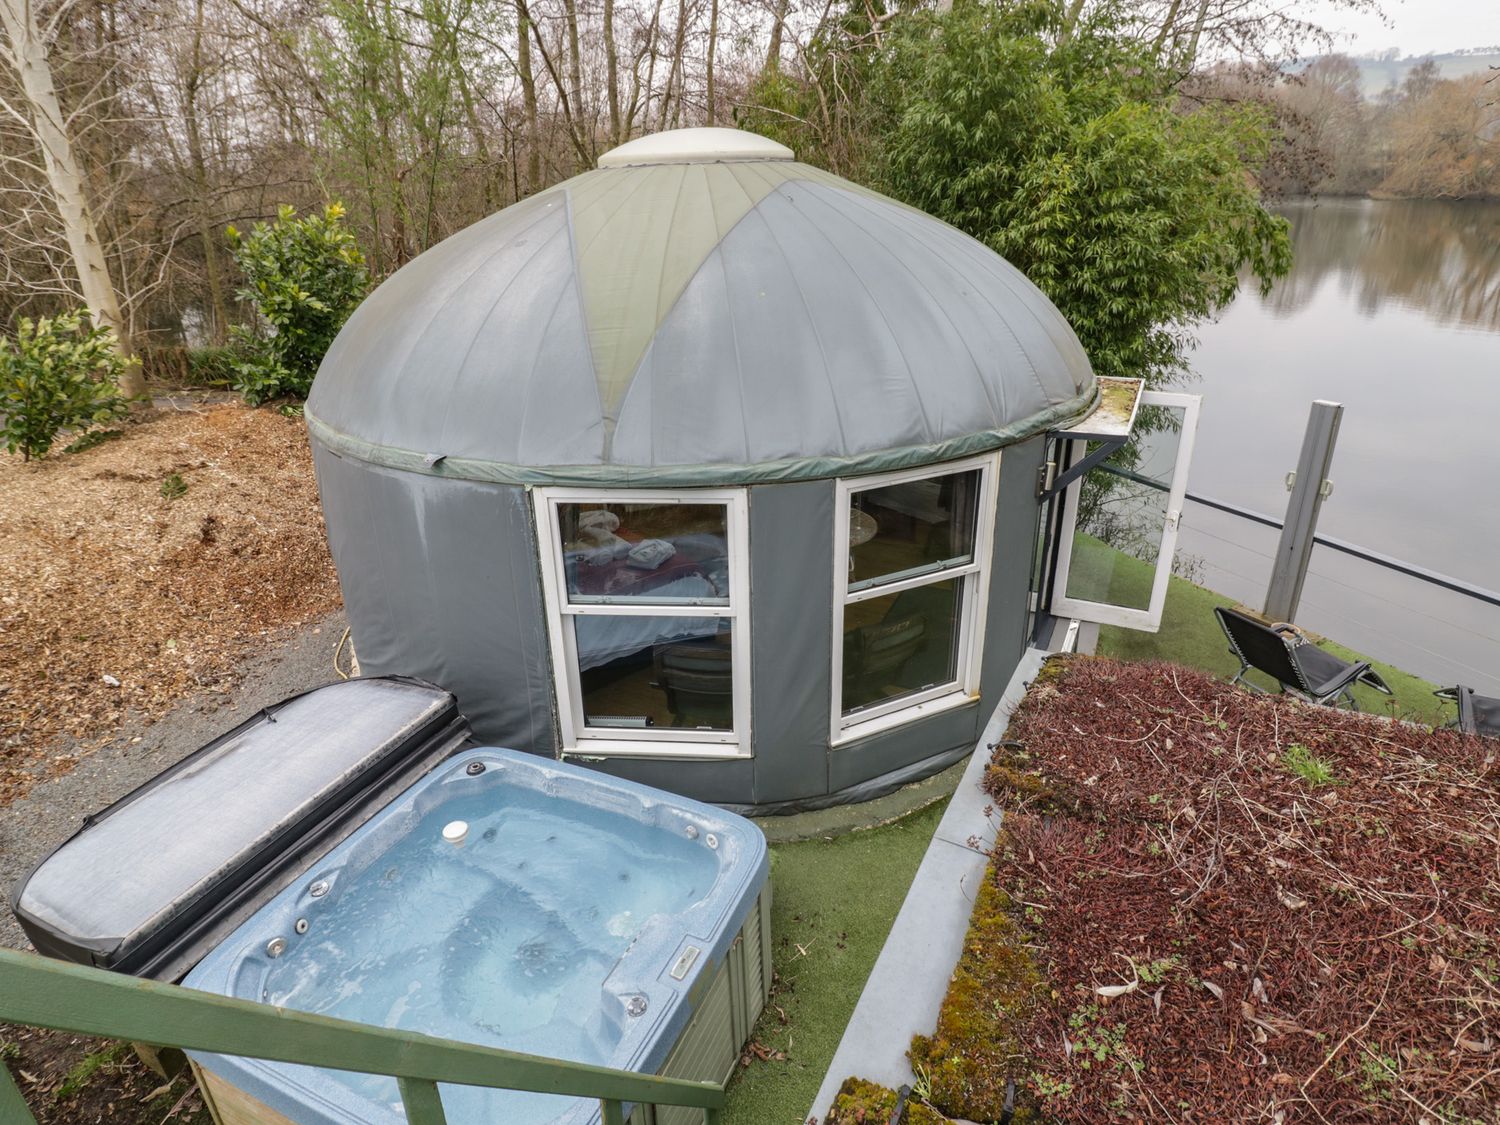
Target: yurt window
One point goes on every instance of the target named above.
(911, 558)
(647, 596)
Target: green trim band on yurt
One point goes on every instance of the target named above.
(705, 467)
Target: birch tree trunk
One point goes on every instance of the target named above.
(192, 84)
(773, 48)
(713, 46)
(575, 82)
(612, 73)
(28, 53)
(528, 98)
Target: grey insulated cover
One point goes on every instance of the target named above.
(158, 878)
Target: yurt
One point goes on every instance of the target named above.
(705, 467)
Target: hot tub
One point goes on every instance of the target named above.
(561, 913)
(335, 855)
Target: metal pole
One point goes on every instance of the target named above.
(1310, 486)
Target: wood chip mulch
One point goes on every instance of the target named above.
(1250, 909)
(144, 569)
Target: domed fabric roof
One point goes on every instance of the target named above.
(700, 308)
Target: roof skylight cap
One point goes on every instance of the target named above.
(695, 146)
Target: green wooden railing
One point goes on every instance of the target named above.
(42, 992)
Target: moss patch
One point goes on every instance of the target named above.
(865, 1103)
(977, 1050)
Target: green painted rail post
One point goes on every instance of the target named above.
(13, 1108)
(611, 1113)
(421, 1102)
(81, 1000)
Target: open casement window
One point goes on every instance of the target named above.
(911, 562)
(1118, 533)
(648, 614)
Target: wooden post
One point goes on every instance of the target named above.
(1309, 488)
(13, 1108)
(611, 1112)
(421, 1102)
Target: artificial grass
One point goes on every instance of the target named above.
(1190, 634)
(832, 905)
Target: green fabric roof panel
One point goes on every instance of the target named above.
(699, 300)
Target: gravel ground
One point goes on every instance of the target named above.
(33, 825)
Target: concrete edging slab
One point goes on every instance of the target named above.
(905, 989)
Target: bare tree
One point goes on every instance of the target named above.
(41, 113)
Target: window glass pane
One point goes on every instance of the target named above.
(1122, 513)
(901, 644)
(649, 552)
(638, 672)
(900, 530)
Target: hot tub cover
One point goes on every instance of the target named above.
(699, 309)
(151, 883)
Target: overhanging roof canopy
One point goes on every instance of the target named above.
(700, 308)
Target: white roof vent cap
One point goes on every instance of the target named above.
(695, 146)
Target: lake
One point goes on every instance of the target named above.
(1393, 309)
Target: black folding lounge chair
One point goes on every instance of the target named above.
(1299, 666)
(1477, 714)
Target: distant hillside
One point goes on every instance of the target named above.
(1378, 72)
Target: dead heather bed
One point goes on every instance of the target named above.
(143, 569)
(1208, 905)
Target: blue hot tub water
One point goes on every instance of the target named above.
(552, 928)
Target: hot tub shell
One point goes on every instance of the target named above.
(244, 840)
(705, 971)
(726, 1000)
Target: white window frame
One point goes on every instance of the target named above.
(1146, 620)
(964, 687)
(653, 742)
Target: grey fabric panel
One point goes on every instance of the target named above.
(931, 738)
(727, 783)
(476, 348)
(1018, 510)
(791, 583)
(830, 322)
(440, 581)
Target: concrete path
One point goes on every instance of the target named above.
(911, 975)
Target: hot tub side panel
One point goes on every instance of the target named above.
(440, 580)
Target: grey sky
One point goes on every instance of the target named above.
(1418, 27)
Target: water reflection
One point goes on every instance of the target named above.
(1416, 458)
(1439, 258)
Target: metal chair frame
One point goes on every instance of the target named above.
(1477, 714)
(1283, 661)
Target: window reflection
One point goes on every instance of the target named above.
(638, 672)
(660, 553)
(916, 527)
(901, 644)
